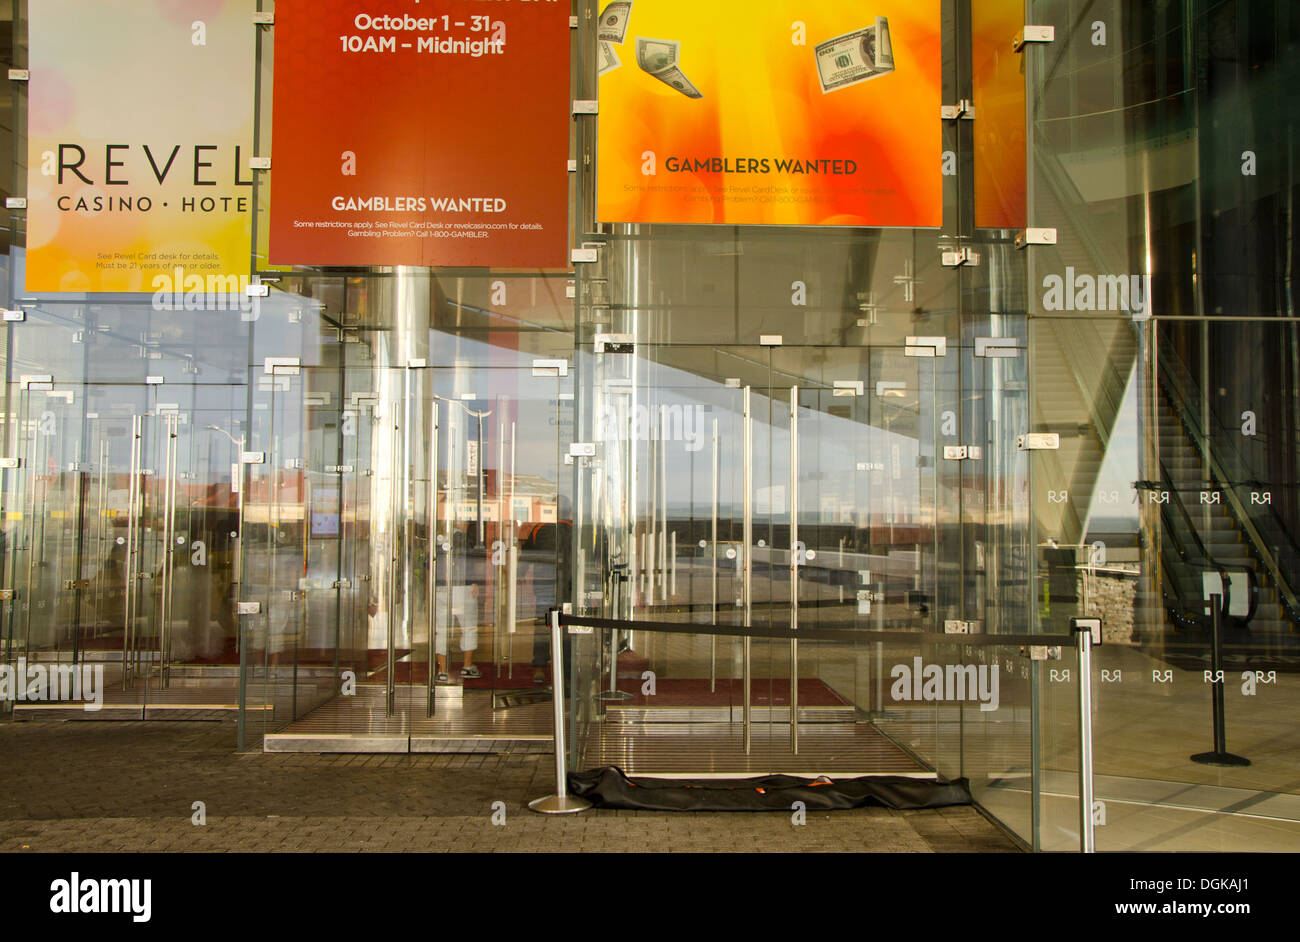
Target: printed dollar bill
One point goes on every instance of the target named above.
(613, 21)
(659, 57)
(607, 59)
(855, 57)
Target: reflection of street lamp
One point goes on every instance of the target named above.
(480, 416)
(237, 485)
(237, 442)
(885, 391)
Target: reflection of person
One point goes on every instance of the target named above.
(463, 611)
(202, 585)
(378, 633)
(541, 631)
(555, 537)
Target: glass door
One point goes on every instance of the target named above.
(996, 556)
(201, 531)
(104, 514)
(45, 560)
(502, 526)
(406, 531)
(306, 535)
(770, 486)
(98, 478)
(157, 489)
(350, 474)
(663, 491)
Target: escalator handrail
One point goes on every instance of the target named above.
(1191, 424)
(1210, 562)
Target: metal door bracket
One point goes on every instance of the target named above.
(1039, 441)
(1035, 236)
(955, 258)
(997, 347)
(926, 347)
(1033, 34)
(1041, 652)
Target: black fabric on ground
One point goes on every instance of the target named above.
(611, 788)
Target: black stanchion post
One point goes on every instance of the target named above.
(1220, 755)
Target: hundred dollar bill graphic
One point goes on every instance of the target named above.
(659, 58)
(607, 59)
(613, 21)
(855, 57)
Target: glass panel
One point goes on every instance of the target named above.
(1161, 353)
(401, 459)
(47, 563)
(868, 482)
(122, 525)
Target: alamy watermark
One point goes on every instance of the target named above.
(921, 681)
(78, 894)
(1087, 292)
(675, 423)
(53, 683)
(180, 290)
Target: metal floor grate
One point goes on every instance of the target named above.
(146, 699)
(359, 724)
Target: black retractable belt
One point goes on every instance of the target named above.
(813, 634)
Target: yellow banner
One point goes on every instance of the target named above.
(139, 132)
(786, 112)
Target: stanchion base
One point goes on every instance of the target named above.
(559, 804)
(616, 695)
(1220, 758)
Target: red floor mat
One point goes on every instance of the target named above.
(522, 678)
(683, 692)
(669, 692)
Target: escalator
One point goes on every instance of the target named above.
(1207, 541)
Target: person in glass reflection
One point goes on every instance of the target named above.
(531, 601)
(546, 578)
(463, 602)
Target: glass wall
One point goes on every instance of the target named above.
(1161, 380)
(368, 485)
(1159, 150)
(404, 473)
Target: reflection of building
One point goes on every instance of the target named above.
(377, 446)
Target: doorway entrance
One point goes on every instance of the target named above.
(123, 526)
(434, 512)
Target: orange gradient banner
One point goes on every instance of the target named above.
(789, 127)
(999, 89)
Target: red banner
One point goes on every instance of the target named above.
(420, 133)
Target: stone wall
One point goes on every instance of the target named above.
(1111, 598)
